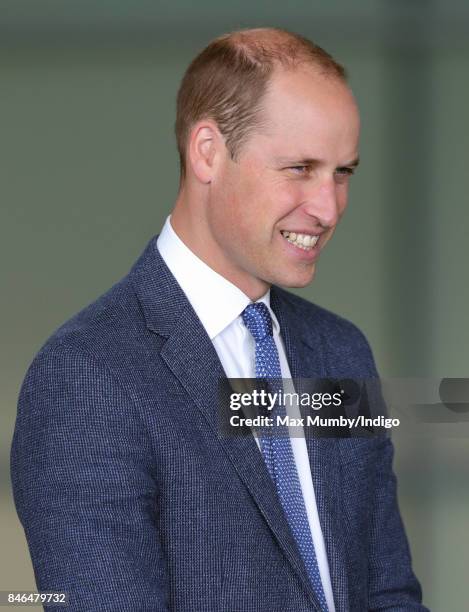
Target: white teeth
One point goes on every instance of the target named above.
(303, 241)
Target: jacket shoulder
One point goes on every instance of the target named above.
(103, 329)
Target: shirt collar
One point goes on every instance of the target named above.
(216, 301)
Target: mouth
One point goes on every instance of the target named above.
(303, 241)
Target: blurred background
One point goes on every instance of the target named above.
(89, 172)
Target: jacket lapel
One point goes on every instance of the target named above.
(190, 355)
(306, 361)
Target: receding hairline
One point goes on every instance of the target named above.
(284, 48)
(237, 70)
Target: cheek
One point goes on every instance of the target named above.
(286, 197)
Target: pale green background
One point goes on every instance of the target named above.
(89, 172)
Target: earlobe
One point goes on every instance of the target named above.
(202, 171)
(202, 151)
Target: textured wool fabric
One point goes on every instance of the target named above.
(276, 447)
(131, 498)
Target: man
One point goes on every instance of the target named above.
(130, 497)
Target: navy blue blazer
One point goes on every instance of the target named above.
(132, 500)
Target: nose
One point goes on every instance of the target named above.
(322, 202)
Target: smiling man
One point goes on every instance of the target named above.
(130, 496)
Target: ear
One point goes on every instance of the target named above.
(205, 141)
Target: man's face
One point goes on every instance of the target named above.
(288, 185)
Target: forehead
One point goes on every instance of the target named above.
(306, 106)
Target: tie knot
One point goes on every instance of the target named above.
(257, 319)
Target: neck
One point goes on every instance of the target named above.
(190, 224)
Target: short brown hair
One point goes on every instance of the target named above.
(226, 82)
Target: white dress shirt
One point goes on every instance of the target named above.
(219, 306)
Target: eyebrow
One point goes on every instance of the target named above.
(312, 162)
(354, 163)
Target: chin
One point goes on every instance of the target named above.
(296, 281)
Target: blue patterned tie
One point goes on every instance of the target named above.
(277, 449)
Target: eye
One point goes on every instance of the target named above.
(345, 172)
(302, 169)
